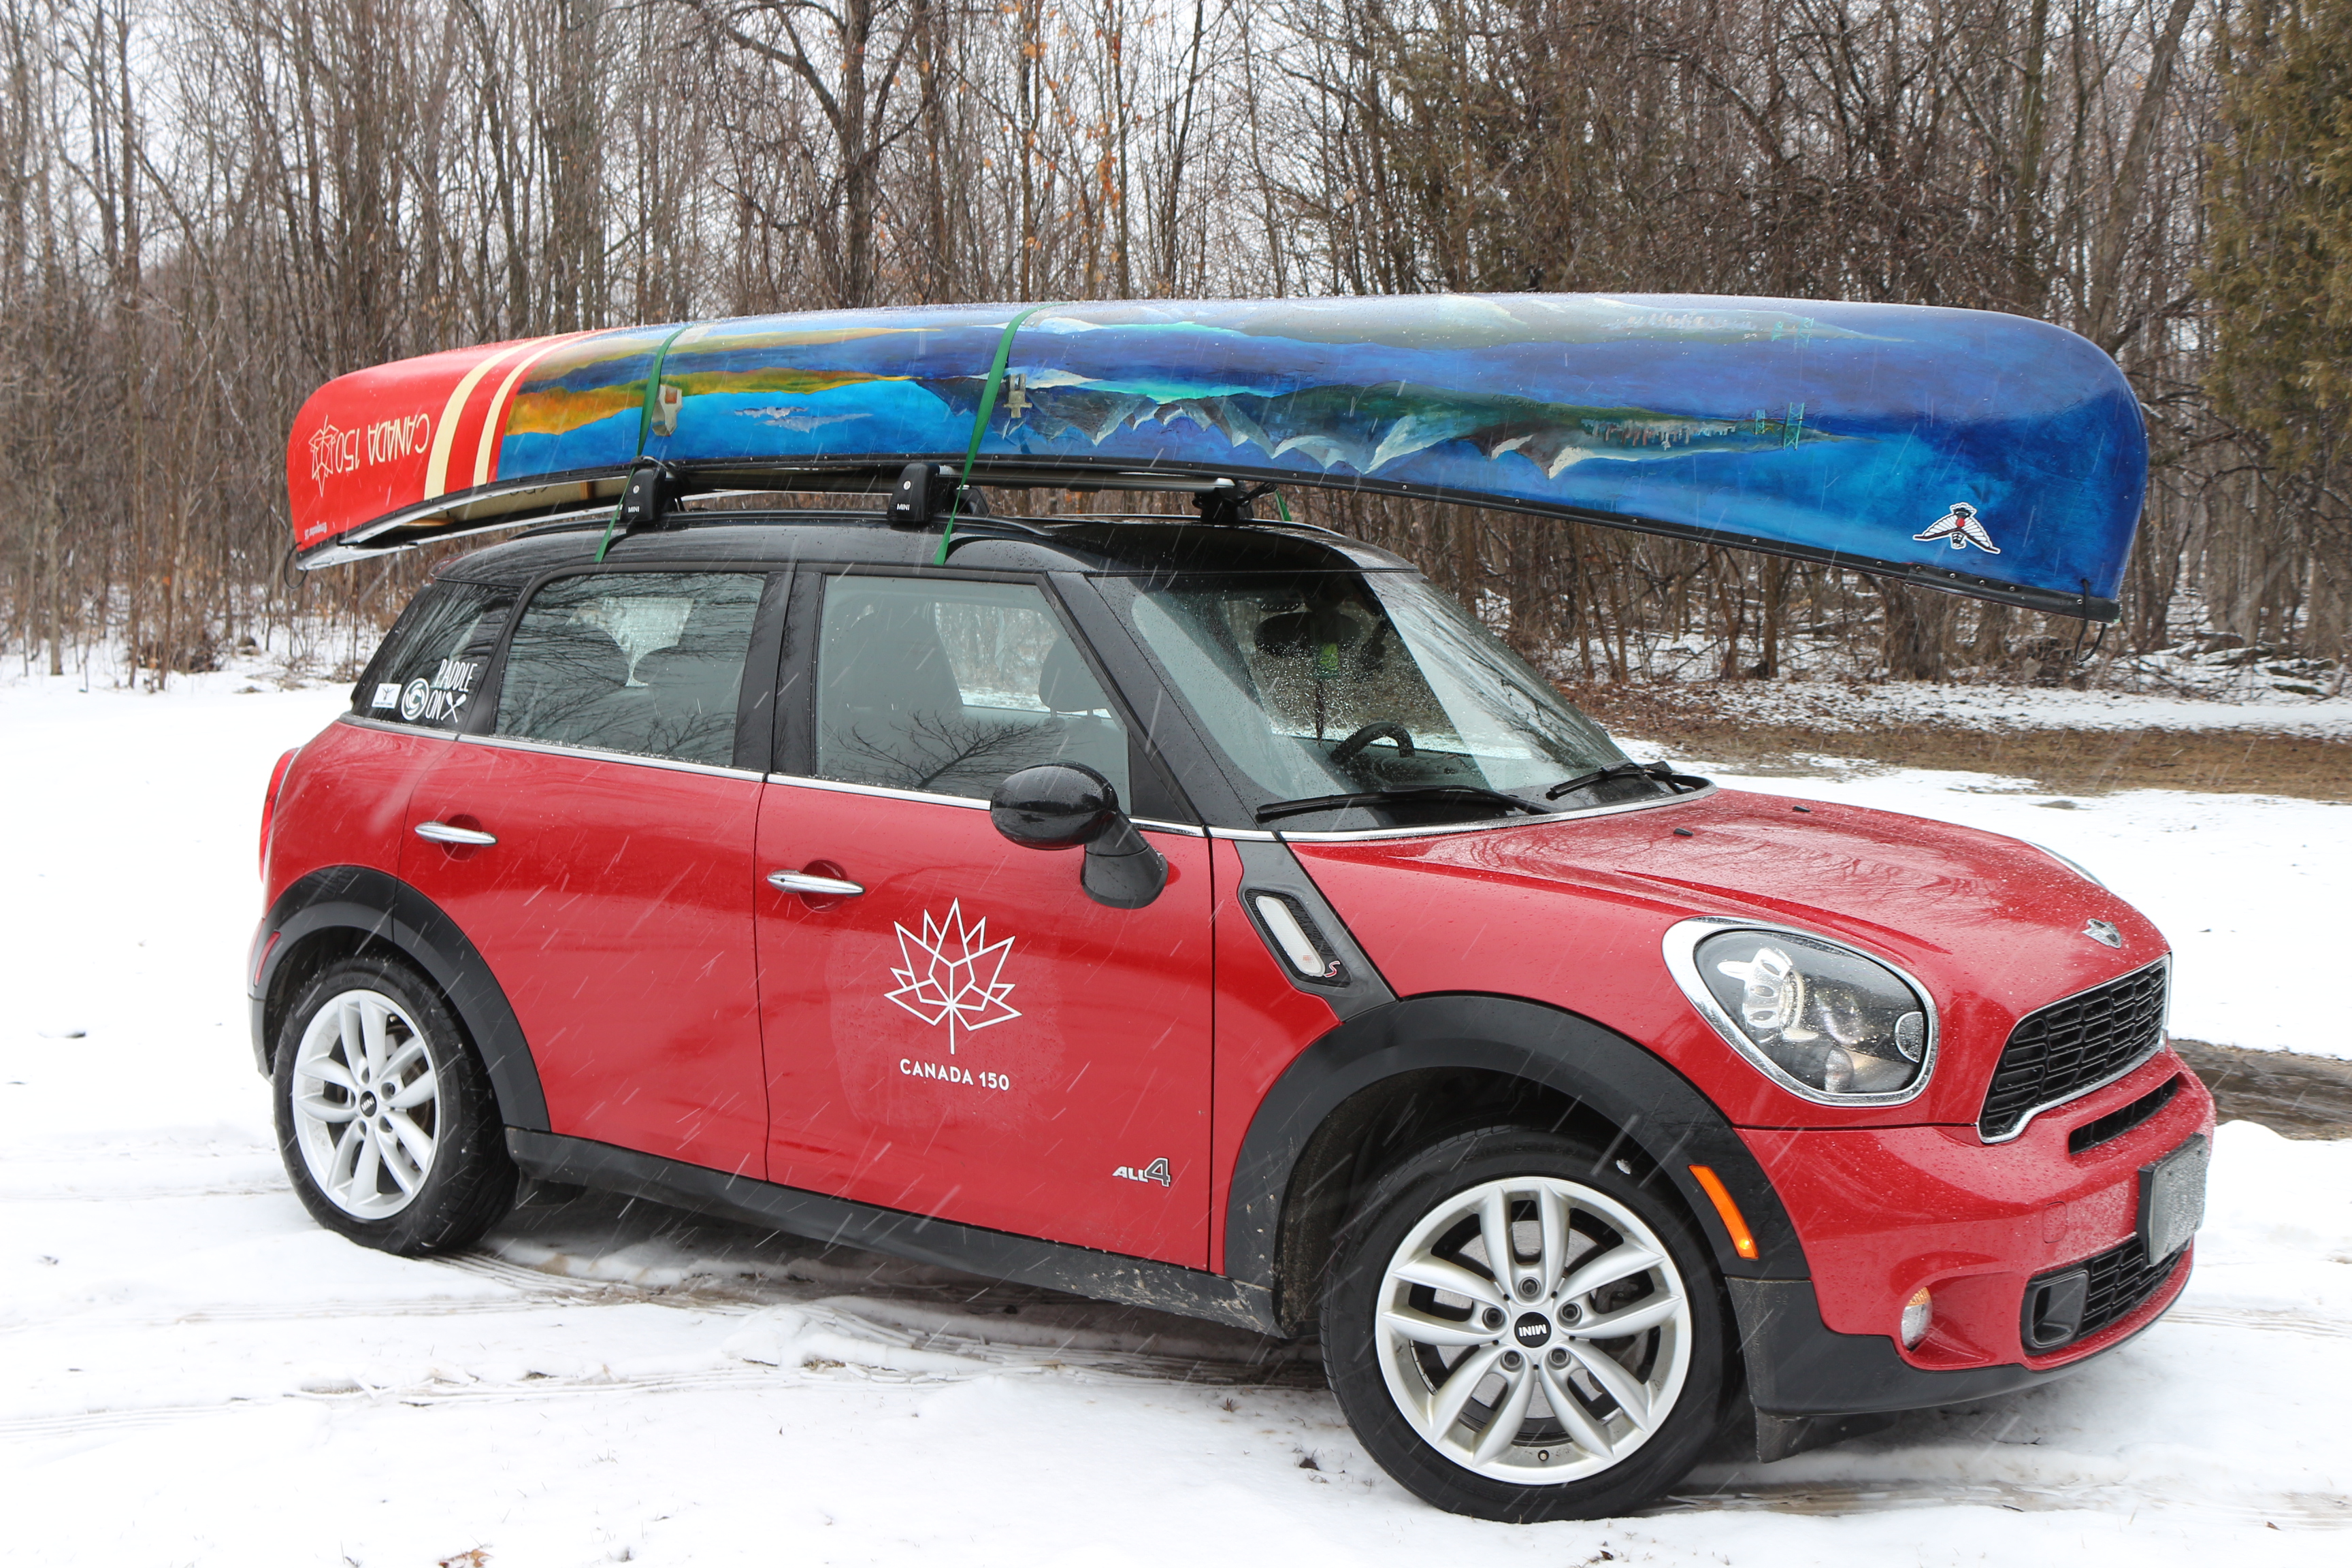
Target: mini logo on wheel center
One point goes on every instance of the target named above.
(1533, 1330)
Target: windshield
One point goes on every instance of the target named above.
(1316, 684)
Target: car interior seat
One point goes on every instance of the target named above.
(691, 688)
(887, 704)
(564, 679)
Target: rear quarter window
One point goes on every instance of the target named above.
(430, 669)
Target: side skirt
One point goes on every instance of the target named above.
(995, 1254)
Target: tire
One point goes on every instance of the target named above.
(1634, 1427)
(423, 1169)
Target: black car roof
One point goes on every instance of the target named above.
(988, 543)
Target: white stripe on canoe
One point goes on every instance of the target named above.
(487, 447)
(445, 435)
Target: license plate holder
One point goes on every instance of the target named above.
(2172, 1198)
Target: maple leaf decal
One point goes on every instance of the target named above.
(951, 971)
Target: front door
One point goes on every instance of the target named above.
(970, 1037)
(614, 903)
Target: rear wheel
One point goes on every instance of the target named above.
(385, 1117)
(1518, 1330)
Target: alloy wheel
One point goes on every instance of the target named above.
(366, 1098)
(1533, 1331)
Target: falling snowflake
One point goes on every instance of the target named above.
(952, 973)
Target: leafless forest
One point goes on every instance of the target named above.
(209, 206)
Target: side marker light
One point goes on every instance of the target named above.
(1918, 1313)
(1291, 933)
(1742, 1241)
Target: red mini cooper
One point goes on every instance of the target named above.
(1208, 915)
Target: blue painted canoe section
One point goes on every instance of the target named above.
(1833, 431)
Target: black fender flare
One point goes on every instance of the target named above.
(1651, 1104)
(380, 906)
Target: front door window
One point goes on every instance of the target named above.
(947, 687)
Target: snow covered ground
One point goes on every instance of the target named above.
(191, 1372)
(1833, 707)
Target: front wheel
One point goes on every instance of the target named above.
(1518, 1330)
(385, 1117)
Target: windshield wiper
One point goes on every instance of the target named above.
(1662, 771)
(1435, 795)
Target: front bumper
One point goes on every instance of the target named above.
(1799, 1367)
(257, 992)
(1884, 1212)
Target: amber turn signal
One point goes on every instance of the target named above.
(1742, 1242)
(1918, 1313)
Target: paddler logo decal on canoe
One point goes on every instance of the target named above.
(1963, 528)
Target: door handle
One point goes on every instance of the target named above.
(442, 833)
(809, 882)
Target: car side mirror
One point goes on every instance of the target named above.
(1068, 805)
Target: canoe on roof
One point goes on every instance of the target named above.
(1984, 454)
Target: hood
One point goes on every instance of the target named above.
(1573, 912)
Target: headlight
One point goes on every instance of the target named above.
(1820, 1018)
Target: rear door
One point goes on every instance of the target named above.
(596, 847)
(345, 801)
(970, 1037)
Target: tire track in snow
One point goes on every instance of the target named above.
(43, 1194)
(2304, 1510)
(839, 1335)
(2268, 1319)
(534, 1292)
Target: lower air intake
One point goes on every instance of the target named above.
(2075, 1303)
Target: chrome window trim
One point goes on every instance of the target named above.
(1680, 947)
(962, 802)
(1269, 836)
(593, 753)
(393, 727)
(2163, 1039)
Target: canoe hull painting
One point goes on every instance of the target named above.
(1990, 454)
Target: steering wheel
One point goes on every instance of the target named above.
(1345, 751)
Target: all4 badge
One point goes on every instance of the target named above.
(1157, 1171)
(952, 972)
(1963, 528)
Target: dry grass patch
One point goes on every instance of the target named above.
(2060, 760)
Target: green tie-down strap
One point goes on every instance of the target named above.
(645, 428)
(979, 426)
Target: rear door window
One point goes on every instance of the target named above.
(429, 671)
(646, 663)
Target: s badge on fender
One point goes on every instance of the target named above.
(2100, 931)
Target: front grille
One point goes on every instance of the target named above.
(2121, 1280)
(2074, 1045)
